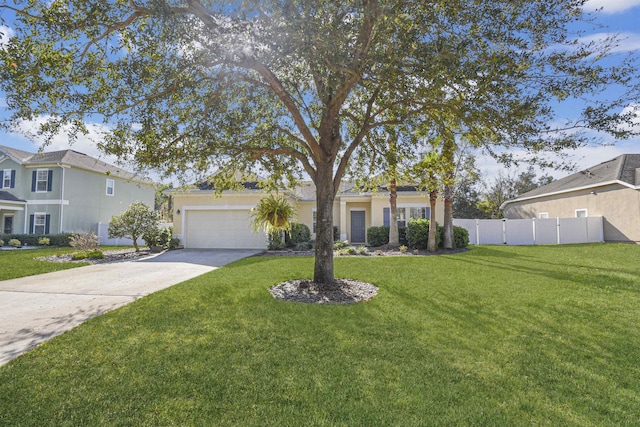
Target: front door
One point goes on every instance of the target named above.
(358, 232)
(7, 226)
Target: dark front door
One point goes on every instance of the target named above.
(7, 227)
(358, 232)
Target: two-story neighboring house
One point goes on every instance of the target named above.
(63, 191)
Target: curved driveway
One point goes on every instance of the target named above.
(36, 308)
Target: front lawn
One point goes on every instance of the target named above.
(22, 262)
(15, 263)
(494, 336)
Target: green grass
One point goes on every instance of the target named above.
(495, 336)
(22, 263)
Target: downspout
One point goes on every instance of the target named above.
(61, 199)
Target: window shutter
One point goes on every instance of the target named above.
(427, 212)
(13, 179)
(33, 180)
(31, 223)
(49, 180)
(385, 217)
(1, 179)
(47, 224)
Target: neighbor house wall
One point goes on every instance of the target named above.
(617, 204)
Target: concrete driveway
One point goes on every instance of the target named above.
(36, 308)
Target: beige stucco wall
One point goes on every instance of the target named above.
(617, 204)
(197, 199)
(372, 204)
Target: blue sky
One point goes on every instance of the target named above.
(616, 16)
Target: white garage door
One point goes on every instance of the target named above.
(225, 229)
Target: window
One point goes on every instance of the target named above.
(110, 187)
(416, 213)
(401, 217)
(8, 176)
(401, 214)
(41, 180)
(314, 220)
(581, 213)
(40, 223)
(543, 215)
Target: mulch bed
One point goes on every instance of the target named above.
(343, 291)
(109, 257)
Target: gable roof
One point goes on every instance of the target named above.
(624, 170)
(70, 158)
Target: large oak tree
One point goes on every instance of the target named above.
(295, 85)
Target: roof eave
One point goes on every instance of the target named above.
(570, 190)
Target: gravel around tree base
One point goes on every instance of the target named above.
(343, 291)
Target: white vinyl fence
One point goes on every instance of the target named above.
(103, 235)
(533, 231)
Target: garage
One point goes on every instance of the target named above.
(221, 229)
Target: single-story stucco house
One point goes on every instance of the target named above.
(610, 190)
(204, 219)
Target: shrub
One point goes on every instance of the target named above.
(418, 233)
(298, 234)
(151, 237)
(174, 243)
(402, 236)
(379, 252)
(1, 242)
(15, 243)
(378, 236)
(336, 233)
(44, 241)
(84, 241)
(339, 244)
(95, 254)
(135, 222)
(363, 250)
(79, 255)
(460, 237)
(62, 239)
(403, 249)
(276, 241)
(164, 237)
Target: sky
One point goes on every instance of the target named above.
(616, 16)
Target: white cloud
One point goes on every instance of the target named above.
(5, 34)
(86, 144)
(627, 42)
(611, 6)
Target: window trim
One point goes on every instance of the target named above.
(6, 176)
(46, 180)
(43, 225)
(586, 213)
(112, 186)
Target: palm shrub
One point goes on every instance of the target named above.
(273, 214)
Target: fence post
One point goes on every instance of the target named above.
(558, 228)
(477, 231)
(533, 229)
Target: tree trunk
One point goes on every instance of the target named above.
(448, 217)
(394, 237)
(392, 158)
(433, 228)
(325, 195)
